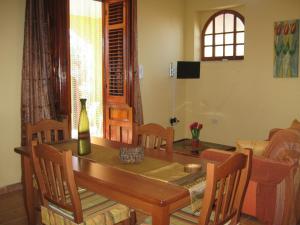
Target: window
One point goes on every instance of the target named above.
(86, 63)
(223, 36)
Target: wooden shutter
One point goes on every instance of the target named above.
(116, 51)
(118, 112)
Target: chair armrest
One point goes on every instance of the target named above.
(264, 170)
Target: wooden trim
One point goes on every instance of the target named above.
(11, 188)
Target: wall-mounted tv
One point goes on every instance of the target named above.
(188, 69)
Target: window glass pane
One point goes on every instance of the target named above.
(209, 29)
(208, 52)
(229, 50)
(208, 40)
(229, 21)
(219, 51)
(240, 38)
(229, 38)
(240, 50)
(86, 63)
(219, 39)
(219, 24)
(239, 25)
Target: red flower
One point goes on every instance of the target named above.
(200, 126)
(286, 29)
(293, 27)
(195, 129)
(278, 28)
(194, 126)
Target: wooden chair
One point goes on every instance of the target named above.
(62, 200)
(225, 190)
(155, 136)
(48, 131)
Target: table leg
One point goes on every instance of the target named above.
(161, 216)
(28, 188)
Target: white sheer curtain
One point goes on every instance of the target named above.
(86, 62)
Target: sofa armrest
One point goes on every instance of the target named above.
(264, 170)
(273, 131)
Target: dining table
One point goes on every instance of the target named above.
(155, 197)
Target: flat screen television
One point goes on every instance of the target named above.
(188, 69)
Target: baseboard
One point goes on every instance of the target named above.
(11, 188)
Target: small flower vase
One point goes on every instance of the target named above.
(195, 142)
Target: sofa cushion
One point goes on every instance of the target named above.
(284, 142)
(295, 124)
(258, 147)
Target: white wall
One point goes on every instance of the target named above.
(12, 16)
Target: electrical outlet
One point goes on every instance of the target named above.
(173, 121)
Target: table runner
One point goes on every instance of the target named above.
(171, 172)
(110, 156)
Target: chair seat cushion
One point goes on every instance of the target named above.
(180, 217)
(96, 209)
(184, 216)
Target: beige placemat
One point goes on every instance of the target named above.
(169, 173)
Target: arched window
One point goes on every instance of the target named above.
(223, 36)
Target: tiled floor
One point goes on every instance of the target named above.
(12, 211)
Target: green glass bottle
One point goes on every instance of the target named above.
(84, 140)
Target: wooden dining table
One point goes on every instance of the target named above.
(156, 198)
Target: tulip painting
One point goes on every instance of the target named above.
(286, 48)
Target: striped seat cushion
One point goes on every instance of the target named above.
(181, 217)
(96, 210)
(184, 216)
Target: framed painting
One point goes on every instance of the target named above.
(286, 48)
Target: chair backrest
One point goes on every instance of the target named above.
(48, 131)
(226, 186)
(54, 173)
(154, 136)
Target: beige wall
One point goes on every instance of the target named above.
(241, 99)
(12, 14)
(161, 39)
